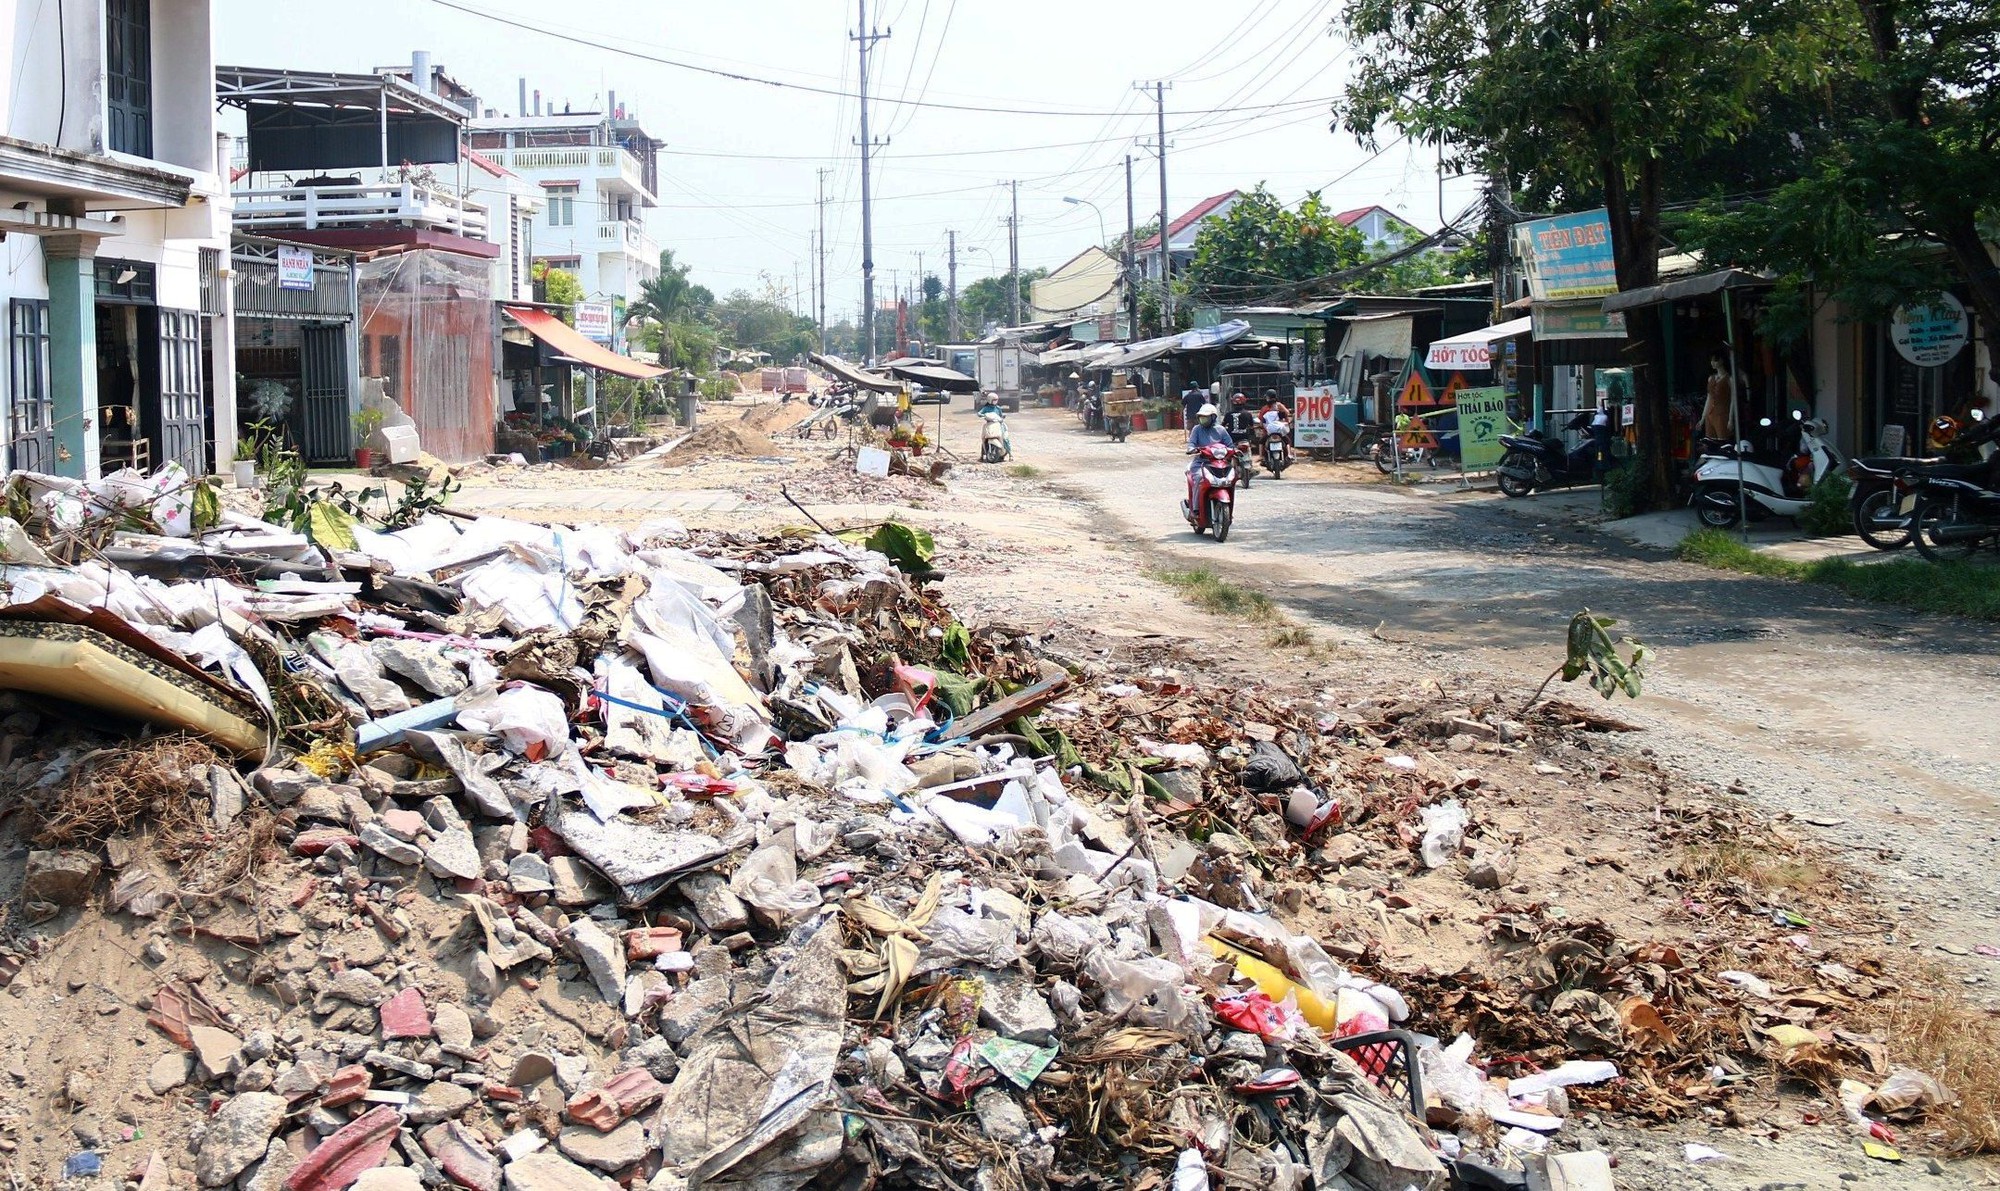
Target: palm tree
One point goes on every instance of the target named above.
(667, 297)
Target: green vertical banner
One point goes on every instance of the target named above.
(1482, 419)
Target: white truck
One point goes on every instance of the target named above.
(1000, 372)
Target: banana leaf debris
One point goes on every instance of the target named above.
(566, 856)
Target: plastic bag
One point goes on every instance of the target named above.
(521, 717)
(1191, 1172)
(1444, 832)
(1269, 768)
(1448, 1071)
(1255, 1013)
(1145, 990)
(1066, 942)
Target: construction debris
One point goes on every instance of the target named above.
(723, 861)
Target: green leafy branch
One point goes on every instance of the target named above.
(1593, 652)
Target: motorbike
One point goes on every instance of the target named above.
(1211, 499)
(1886, 487)
(1728, 485)
(1957, 507)
(1277, 451)
(1117, 426)
(993, 444)
(1539, 460)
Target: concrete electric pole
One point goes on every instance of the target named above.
(1159, 91)
(1130, 263)
(951, 293)
(820, 298)
(866, 39)
(1014, 253)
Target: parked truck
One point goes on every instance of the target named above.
(1000, 372)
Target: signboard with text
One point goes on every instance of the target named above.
(593, 320)
(1482, 419)
(1568, 256)
(1313, 418)
(295, 268)
(1930, 334)
(1459, 355)
(1576, 320)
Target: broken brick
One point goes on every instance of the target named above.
(404, 1016)
(347, 1085)
(650, 943)
(339, 1160)
(623, 1095)
(317, 840)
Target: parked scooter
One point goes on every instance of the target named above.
(1957, 506)
(1886, 487)
(1211, 496)
(1729, 485)
(1539, 460)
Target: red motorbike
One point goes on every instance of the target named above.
(1211, 498)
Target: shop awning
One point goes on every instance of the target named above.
(1376, 335)
(1472, 351)
(934, 376)
(1062, 355)
(860, 378)
(1199, 340)
(1699, 286)
(565, 341)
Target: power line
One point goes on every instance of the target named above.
(736, 76)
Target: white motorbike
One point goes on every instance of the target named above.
(993, 444)
(1729, 486)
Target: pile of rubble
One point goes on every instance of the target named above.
(569, 857)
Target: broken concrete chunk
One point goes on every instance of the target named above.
(440, 1101)
(545, 1171)
(388, 1178)
(63, 877)
(237, 1136)
(529, 873)
(422, 662)
(378, 840)
(1490, 870)
(1013, 1008)
(453, 1026)
(453, 854)
(603, 957)
(701, 1002)
(168, 1072)
(1001, 1118)
(576, 883)
(719, 909)
(284, 786)
(615, 1150)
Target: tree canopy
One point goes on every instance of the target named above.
(1572, 104)
(1261, 244)
(989, 300)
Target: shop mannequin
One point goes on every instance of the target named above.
(1718, 416)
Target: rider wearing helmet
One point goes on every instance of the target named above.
(1242, 420)
(1206, 432)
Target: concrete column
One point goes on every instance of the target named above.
(73, 353)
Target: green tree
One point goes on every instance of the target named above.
(668, 296)
(746, 320)
(1262, 245)
(559, 287)
(1897, 199)
(989, 301)
(1573, 104)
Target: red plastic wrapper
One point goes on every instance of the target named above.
(965, 1072)
(1274, 1079)
(1258, 1014)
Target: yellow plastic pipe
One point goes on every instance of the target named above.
(1274, 983)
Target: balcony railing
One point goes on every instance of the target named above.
(397, 205)
(595, 159)
(629, 237)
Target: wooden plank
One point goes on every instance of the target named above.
(1026, 701)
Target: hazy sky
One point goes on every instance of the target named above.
(738, 172)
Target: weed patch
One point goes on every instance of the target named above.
(1954, 588)
(1023, 471)
(1212, 593)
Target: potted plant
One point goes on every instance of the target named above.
(366, 422)
(245, 463)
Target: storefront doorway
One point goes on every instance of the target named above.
(149, 374)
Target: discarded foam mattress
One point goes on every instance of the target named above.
(85, 666)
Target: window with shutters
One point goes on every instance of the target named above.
(562, 206)
(128, 76)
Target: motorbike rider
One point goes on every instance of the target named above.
(989, 410)
(1241, 423)
(1204, 433)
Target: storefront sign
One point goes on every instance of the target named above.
(1577, 320)
(1447, 355)
(1568, 256)
(1313, 418)
(1931, 334)
(593, 320)
(1482, 419)
(295, 268)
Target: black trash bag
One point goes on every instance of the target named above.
(1270, 769)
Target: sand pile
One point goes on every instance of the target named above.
(719, 439)
(775, 417)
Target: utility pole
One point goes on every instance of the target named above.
(917, 301)
(866, 38)
(1013, 222)
(1159, 91)
(795, 289)
(1131, 277)
(823, 172)
(951, 299)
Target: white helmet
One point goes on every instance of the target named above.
(1206, 411)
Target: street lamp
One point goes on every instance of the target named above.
(1077, 202)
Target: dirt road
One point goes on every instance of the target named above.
(1869, 723)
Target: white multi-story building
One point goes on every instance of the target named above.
(599, 174)
(115, 215)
